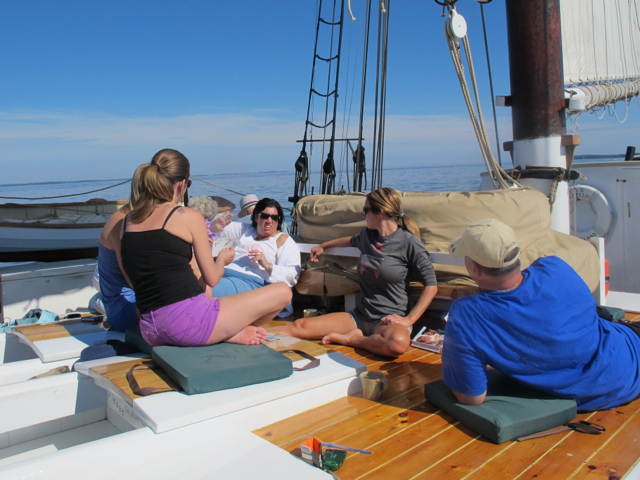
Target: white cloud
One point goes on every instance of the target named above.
(41, 145)
(208, 129)
(108, 130)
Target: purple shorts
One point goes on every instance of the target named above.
(188, 323)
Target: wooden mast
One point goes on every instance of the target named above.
(537, 95)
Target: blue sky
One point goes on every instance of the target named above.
(90, 90)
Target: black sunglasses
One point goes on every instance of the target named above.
(366, 210)
(264, 216)
(189, 183)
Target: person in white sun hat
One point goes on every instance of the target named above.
(247, 204)
(538, 326)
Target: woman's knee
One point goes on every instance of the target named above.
(299, 326)
(398, 343)
(284, 292)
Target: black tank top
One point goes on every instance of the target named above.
(157, 263)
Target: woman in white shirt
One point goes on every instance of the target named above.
(263, 254)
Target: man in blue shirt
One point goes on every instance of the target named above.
(538, 326)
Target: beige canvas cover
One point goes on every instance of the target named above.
(443, 217)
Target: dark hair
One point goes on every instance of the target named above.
(266, 203)
(386, 200)
(157, 178)
(500, 272)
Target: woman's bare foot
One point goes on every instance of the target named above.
(348, 339)
(249, 336)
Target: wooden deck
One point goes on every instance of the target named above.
(411, 439)
(64, 328)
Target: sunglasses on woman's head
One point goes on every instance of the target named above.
(264, 216)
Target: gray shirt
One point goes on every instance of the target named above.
(386, 265)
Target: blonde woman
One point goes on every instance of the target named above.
(159, 238)
(391, 251)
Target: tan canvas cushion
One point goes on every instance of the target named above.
(444, 216)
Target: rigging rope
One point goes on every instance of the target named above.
(223, 188)
(117, 185)
(69, 195)
(493, 101)
(217, 186)
(351, 12)
(346, 115)
(358, 171)
(327, 176)
(380, 97)
(496, 173)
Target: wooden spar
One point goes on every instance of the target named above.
(535, 59)
(537, 97)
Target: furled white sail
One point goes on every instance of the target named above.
(601, 49)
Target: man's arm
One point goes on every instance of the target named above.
(469, 399)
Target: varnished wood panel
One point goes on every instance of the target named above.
(113, 377)
(61, 329)
(412, 439)
(633, 316)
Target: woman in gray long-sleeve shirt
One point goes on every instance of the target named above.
(391, 251)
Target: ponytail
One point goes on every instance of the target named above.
(156, 180)
(409, 224)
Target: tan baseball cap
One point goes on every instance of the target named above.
(486, 242)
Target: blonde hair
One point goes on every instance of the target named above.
(134, 197)
(205, 206)
(386, 200)
(157, 179)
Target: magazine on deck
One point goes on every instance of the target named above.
(429, 340)
(222, 243)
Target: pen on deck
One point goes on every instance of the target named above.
(333, 445)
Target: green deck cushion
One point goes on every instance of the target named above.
(616, 313)
(221, 366)
(510, 410)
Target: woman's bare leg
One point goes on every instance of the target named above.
(239, 313)
(317, 327)
(387, 340)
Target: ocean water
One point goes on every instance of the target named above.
(274, 184)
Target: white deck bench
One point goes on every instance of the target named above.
(335, 377)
